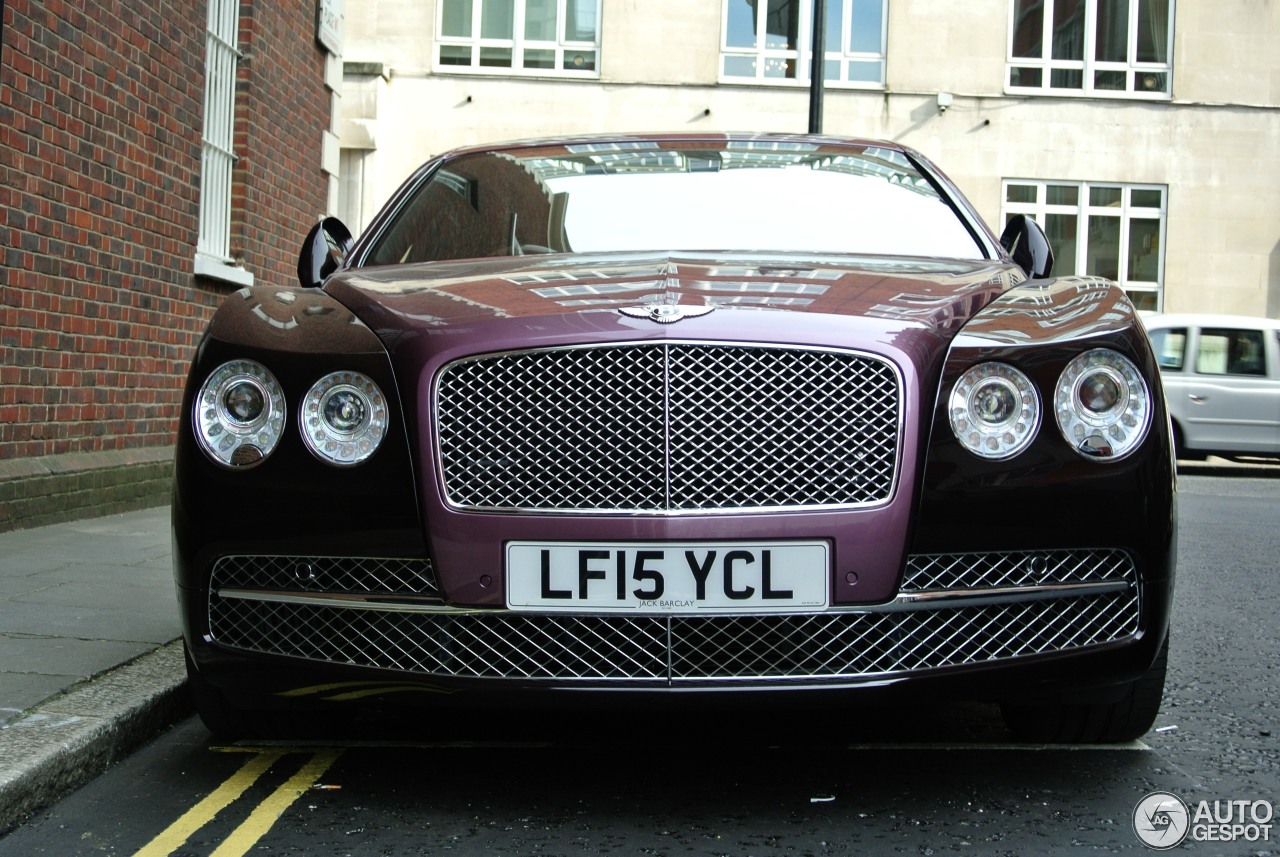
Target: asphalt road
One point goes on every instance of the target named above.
(891, 781)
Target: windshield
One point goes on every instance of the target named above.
(736, 196)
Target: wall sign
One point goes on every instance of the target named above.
(329, 25)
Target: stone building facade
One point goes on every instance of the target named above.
(1143, 134)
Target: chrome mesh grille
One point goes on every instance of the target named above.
(326, 574)
(936, 572)
(669, 427)
(675, 649)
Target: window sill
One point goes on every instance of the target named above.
(521, 73)
(793, 83)
(210, 268)
(1095, 94)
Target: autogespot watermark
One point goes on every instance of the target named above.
(1163, 820)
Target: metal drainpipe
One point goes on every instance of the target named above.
(817, 68)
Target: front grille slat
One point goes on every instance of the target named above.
(327, 574)
(668, 427)
(968, 571)
(668, 650)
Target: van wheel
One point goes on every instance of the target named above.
(1180, 450)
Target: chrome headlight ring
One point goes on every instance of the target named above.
(239, 414)
(343, 418)
(994, 411)
(1103, 405)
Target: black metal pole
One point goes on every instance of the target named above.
(818, 66)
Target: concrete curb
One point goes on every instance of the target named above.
(71, 738)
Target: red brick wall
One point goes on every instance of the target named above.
(101, 105)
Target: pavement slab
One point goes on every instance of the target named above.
(90, 657)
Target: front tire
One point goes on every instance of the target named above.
(226, 721)
(229, 721)
(1127, 718)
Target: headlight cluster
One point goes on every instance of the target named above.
(995, 411)
(1103, 405)
(344, 417)
(240, 416)
(1101, 402)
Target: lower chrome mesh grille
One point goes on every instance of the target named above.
(934, 572)
(326, 574)
(839, 644)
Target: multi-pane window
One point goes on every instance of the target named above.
(771, 41)
(534, 37)
(1095, 47)
(217, 157)
(1105, 230)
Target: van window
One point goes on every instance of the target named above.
(1224, 351)
(1171, 347)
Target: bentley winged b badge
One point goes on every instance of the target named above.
(665, 313)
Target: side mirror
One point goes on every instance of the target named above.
(323, 252)
(1028, 245)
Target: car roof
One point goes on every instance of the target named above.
(603, 139)
(1189, 319)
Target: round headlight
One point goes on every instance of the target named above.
(345, 411)
(239, 414)
(1103, 405)
(994, 410)
(1099, 391)
(245, 401)
(344, 418)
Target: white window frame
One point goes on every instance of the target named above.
(355, 205)
(564, 49)
(1140, 77)
(765, 57)
(1083, 210)
(217, 155)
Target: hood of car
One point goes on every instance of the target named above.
(440, 320)
(595, 292)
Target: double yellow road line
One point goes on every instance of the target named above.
(263, 816)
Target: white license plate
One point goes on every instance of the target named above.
(647, 577)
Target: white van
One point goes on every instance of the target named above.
(1221, 377)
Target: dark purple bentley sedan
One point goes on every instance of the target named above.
(677, 419)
